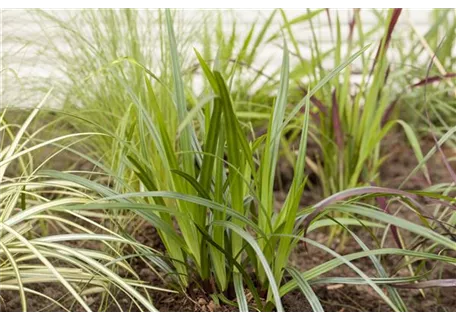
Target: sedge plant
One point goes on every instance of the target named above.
(352, 113)
(197, 178)
(43, 244)
(352, 121)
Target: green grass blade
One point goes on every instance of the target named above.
(271, 152)
(181, 105)
(240, 295)
(306, 290)
(195, 184)
(421, 164)
(249, 239)
(18, 276)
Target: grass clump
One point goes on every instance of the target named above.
(42, 243)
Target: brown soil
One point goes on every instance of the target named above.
(333, 297)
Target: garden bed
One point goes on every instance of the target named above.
(336, 298)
